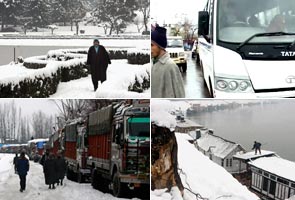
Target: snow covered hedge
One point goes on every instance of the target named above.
(35, 62)
(136, 57)
(43, 82)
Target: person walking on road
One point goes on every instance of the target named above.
(257, 147)
(98, 59)
(50, 171)
(15, 162)
(166, 78)
(61, 167)
(23, 167)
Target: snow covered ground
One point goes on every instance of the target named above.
(203, 177)
(119, 76)
(36, 188)
(198, 173)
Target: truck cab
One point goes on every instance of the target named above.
(247, 48)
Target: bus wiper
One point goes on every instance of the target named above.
(291, 45)
(262, 35)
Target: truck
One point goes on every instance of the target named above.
(119, 147)
(75, 150)
(247, 48)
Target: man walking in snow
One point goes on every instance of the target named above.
(22, 166)
(15, 159)
(61, 166)
(50, 171)
(166, 78)
(257, 147)
(98, 59)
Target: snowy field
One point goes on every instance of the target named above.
(36, 188)
(198, 173)
(119, 76)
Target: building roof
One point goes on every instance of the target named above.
(276, 165)
(187, 124)
(251, 155)
(219, 146)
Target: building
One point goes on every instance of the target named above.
(221, 151)
(269, 175)
(186, 126)
(273, 177)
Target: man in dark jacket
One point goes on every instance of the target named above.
(257, 147)
(49, 169)
(15, 159)
(98, 59)
(61, 168)
(22, 168)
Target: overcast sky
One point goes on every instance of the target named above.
(29, 106)
(171, 11)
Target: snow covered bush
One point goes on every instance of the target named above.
(39, 87)
(35, 62)
(136, 57)
(142, 83)
(118, 54)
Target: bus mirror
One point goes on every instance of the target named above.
(203, 25)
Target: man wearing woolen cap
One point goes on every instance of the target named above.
(98, 59)
(166, 80)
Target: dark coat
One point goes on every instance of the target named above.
(98, 63)
(22, 166)
(61, 167)
(50, 171)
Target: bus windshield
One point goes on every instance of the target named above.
(238, 20)
(139, 127)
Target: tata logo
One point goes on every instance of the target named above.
(290, 79)
(288, 53)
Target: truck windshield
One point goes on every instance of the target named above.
(238, 20)
(174, 43)
(139, 127)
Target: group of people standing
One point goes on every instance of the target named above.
(54, 169)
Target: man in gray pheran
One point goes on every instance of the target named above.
(166, 80)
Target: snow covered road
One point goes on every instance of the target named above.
(36, 188)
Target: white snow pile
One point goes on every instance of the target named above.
(222, 147)
(138, 51)
(37, 59)
(161, 112)
(276, 165)
(5, 166)
(202, 176)
(73, 53)
(16, 73)
(38, 140)
(121, 75)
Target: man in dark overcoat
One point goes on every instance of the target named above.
(98, 59)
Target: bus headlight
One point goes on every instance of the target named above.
(233, 85)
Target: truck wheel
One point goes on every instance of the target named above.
(117, 185)
(69, 174)
(94, 182)
(184, 68)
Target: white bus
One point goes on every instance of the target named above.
(247, 48)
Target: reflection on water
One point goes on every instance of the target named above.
(273, 125)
